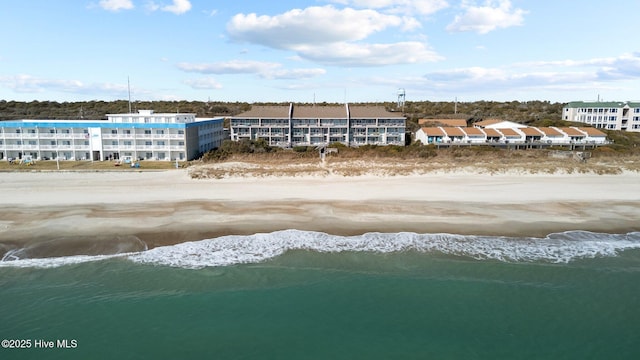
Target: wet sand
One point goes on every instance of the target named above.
(61, 213)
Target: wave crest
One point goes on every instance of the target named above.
(230, 250)
(236, 249)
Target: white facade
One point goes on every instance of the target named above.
(145, 135)
(623, 116)
(518, 135)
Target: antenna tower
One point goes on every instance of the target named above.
(401, 98)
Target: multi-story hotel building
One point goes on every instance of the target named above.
(623, 116)
(145, 135)
(311, 125)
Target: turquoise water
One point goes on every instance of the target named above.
(568, 296)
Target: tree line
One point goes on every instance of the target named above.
(525, 112)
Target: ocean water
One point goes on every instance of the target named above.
(308, 295)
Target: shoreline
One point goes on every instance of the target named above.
(98, 213)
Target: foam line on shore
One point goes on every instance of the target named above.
(236, 249)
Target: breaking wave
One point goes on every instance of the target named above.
(236, 249)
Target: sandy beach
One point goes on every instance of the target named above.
(60, 213)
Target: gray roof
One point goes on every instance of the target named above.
(602, 104)
(319, 112)
(274, 111)
(368, 111)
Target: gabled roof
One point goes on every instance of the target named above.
(499, 124)
(432, 131)
(453, 131)
(551, 132)
(488, 122)
(473, 131)
(572, 131)
(531, 131)
(443, 122)
(492, 133)
(592, 132)
(510, 132)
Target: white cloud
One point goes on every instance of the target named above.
(31, 84)
(422, 7)
(331, 36)
(178, 7)
(203, 83)
(494, 14)
(230, 67)
(116, 5)
(267, 70)
(543, 75)
(352, 54)
(313, 25)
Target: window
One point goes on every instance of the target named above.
(32, 131)
(180, 132)
(114, 131)
(32, 142)
(180, 143)
(160, 132)
(160, 143)
(128, 132)
(127, 143)
(18, 131)
(114, 143)
(147, 143)
(147, 132)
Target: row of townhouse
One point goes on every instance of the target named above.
(145, 135)
(616, 115)
(514, 135)
(313, 125)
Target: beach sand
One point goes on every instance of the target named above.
(64, 213)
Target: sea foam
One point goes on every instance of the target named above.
(235, 249)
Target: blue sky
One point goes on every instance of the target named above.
(322, 50)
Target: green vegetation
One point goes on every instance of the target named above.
(517, 111)
(95, 110)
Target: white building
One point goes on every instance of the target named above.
(309, 125)
(516, 135)
(145, 135)
(623, 116)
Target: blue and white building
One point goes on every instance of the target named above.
(616, 115)
(141, 136)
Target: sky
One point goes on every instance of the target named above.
(319, 50)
